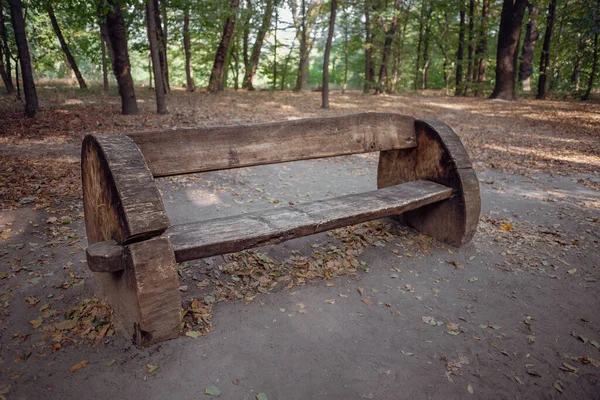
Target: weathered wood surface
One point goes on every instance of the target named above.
(122, 205)
(192, 150)
(231, 234)
(105, 256)
(155, 314)
(120, 198)
(439, 157)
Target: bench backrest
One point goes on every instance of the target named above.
(184, 151)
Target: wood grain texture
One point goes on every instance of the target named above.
(120, 198)
(152, 270)
(183, 151)
(231, 234)
(439, 157)
(122, 204)
(105, 256)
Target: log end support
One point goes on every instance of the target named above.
(439, 157)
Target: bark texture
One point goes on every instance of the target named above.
(256, 49)
(508, 40)
(531, 35)
(545, 57)
(215, 83)
(325, 86)
(18, 22)
(161, 104)
(117, 35)
(65, 47)
(189, 72)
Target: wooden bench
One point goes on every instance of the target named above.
(424, 173)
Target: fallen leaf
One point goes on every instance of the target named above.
(332, 301)
(452, 326)
(361, 291)
(261, 396)
(111, 362)
(569, 368)
(79, 365)
(470, 388)
(151, 368)
(558, 386)
(192, 334)
(507, 226)
(367, 302)
(531, 371)
(213, 391)
(36, 322)
(329, 284)
(572, 271)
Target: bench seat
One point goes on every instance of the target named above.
(239, 232)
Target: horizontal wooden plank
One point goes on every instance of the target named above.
(232, 234)
(192, 150)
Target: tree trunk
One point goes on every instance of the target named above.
(588, 92)
(325, 85)
(215, 83)
(482, 48)
(162, 46)
(508, 41)
(6, 50)
(6, 79)
(369, 70)
(165, 37)
(531, 34)
(105, 85)
(117, 34)
(426, 55)
(65, 47)
(545, 57)
(460, 51)
(470, 47)
(189, 72)
(303, 63)
(554, 69)
(419, 44)
(346, 34)
(256, 49)
(18, 22)
(390, 33)
(275, 49)
(159, 90)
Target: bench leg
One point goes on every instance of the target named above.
(439, 157)
(145, 295)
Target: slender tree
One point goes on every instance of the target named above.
(215, 83)
(325, 85)
(369, 68)
(256, 49)
(304, 18)
(105, 85)
(481, 59)
(5, 51)
(508, 41)
(590, 86)
(470, 47)
(531, 35)
(165, 41)
(461, 50)
(189, 72)
(545, 57)
(390, 33)
(161, 104)
(18, 23)
(117, 35)
(65, 47)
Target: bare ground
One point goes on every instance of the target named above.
(375, 311)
